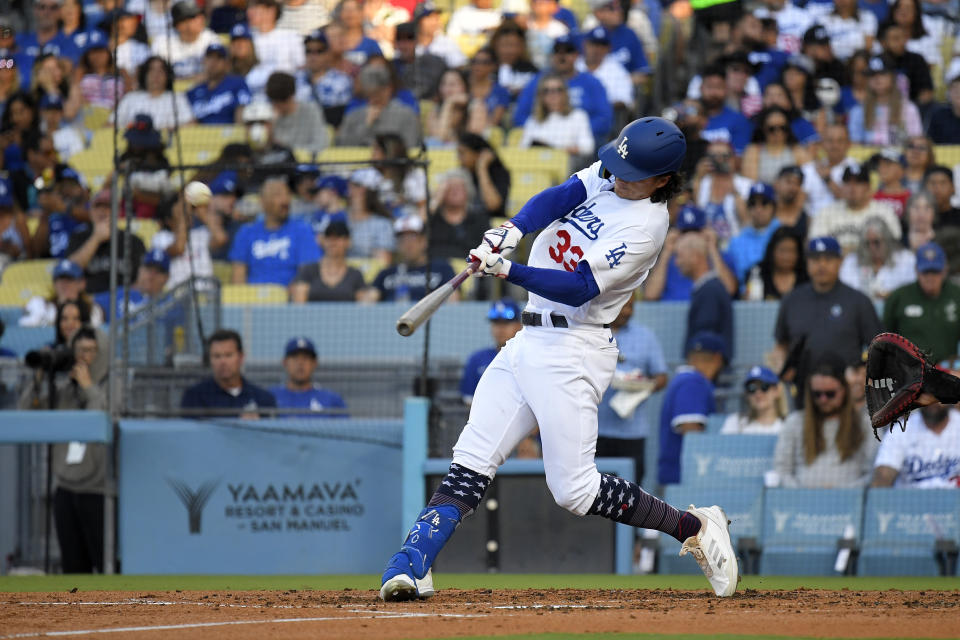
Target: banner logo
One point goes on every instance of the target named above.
(194, 501)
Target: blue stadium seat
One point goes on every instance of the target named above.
(901, 526)
(801, 528)
(23, 339)
(713, 460)
(715, 422)
(744, 509)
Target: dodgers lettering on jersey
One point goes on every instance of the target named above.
(922, 458)
(218, 105)
(620, 240)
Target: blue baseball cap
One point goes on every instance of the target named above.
(823, 245)
(300, 344)
(691, 218)
(67, 269)
(6, 193)
(708, 341)
(505, 310)
(598, 35)
(225, 183)
(930, 257)
(216, 49)
(240, 30)
(336, 183)
(157, 258)
(762, 190)
(69, 173)
(762, 374)
(96, 39)
(317, 35)
(564, 43)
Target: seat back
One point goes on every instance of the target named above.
(810, 517)
(714, 460)
(911, 516)
(245, 294)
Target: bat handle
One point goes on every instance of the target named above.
(466, 273)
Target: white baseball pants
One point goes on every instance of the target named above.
(553, 378)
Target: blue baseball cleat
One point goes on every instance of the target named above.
(399, 583)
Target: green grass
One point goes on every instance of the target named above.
(448, 581)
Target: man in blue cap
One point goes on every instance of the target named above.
(299, 391)
(821, 316)
(221, 96)
(52, 234)
(688, 401)
(607, 69)
(152, 277)
(504, 317)
(747, 247)
(331, 202)
(322, 83)
(927, 312)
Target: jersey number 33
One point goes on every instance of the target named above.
(563, 246)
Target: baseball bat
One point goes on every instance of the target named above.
(418, 313)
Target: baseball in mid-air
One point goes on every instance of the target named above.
(197, 194)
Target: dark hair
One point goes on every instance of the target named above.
(792, 113)
(6, 122)
(81, 306)
(766, 264)
(477, 144)
(86, 332)
(337, 228)
(277, 6)
(939, 168)
(511, 27)
(143, 68)
(226, 335)
(810, 100)
(713, 70)
(394, 148)
(917, 30)
(487, 49)
(85, 60)
(759, 131)
(670, 190)
(32, 139)
(280, 86)
(886, 26)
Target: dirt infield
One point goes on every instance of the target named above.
(325, 615)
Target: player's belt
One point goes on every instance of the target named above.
(536, 320)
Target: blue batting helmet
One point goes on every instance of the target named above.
(645, 148)
(505, 309)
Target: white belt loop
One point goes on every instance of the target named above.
(545, 319)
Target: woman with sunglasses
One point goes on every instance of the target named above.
(828, 444)
(918, 154)
(886, 116)
(764, 409)
(484, 89)
(773, 147)
(880, 264)
(554, 122)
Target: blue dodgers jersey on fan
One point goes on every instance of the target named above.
(729, 126)
(477, 363)
(59, 45)
(137, 301)
(639, 349)
(219, 105)
(626, 48)
(586, 93)
(273, 256)
(688, 398)
(61, 226)
(315, 399)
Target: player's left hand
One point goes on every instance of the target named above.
(490, 263)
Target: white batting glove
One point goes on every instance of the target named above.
(503, 239)
(490, 263)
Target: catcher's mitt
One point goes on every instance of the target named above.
(897, 374)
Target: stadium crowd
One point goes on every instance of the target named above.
(820, 174)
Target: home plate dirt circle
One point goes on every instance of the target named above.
(326, 615)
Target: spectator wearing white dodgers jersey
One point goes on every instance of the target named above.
(926, 455)
(601, 232)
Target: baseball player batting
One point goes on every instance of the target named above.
(602, 232)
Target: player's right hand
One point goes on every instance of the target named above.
(503, 239)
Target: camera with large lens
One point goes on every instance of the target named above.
(51, 359)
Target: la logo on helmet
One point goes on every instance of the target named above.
(622, 148)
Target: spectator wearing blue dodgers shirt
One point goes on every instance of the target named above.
(227, 390)
(47, 36)
(688, 401)
(320, 82)
(330, 199)
(586, 92)
(640, 365)
(723, 123)
(625, 46)
(271, 249)
(220, 98)
(504, 317)
(299, 391)
(412, 275)
(152, 278)
(747, 247)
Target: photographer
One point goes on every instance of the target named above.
(79, 468)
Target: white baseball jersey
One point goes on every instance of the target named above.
(620, 240)
(923, 458)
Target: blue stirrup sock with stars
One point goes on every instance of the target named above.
(458, 496)
(625, 502)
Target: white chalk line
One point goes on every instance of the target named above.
(370, 615)
(551, 606)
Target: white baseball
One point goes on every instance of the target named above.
(197, 194)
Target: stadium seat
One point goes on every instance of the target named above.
(495, 137)
(513, 137)
(222, 271)
(441, 161)
(143, 228)
(368, 267)
(801, 528)
(947, 154)
(344, 154)
(523, 186)
(252, 294)
(553, 162)
(95, 118)
(21, 281)
(713, 460)
(744, 509)
(95, 163)
(901, 527)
